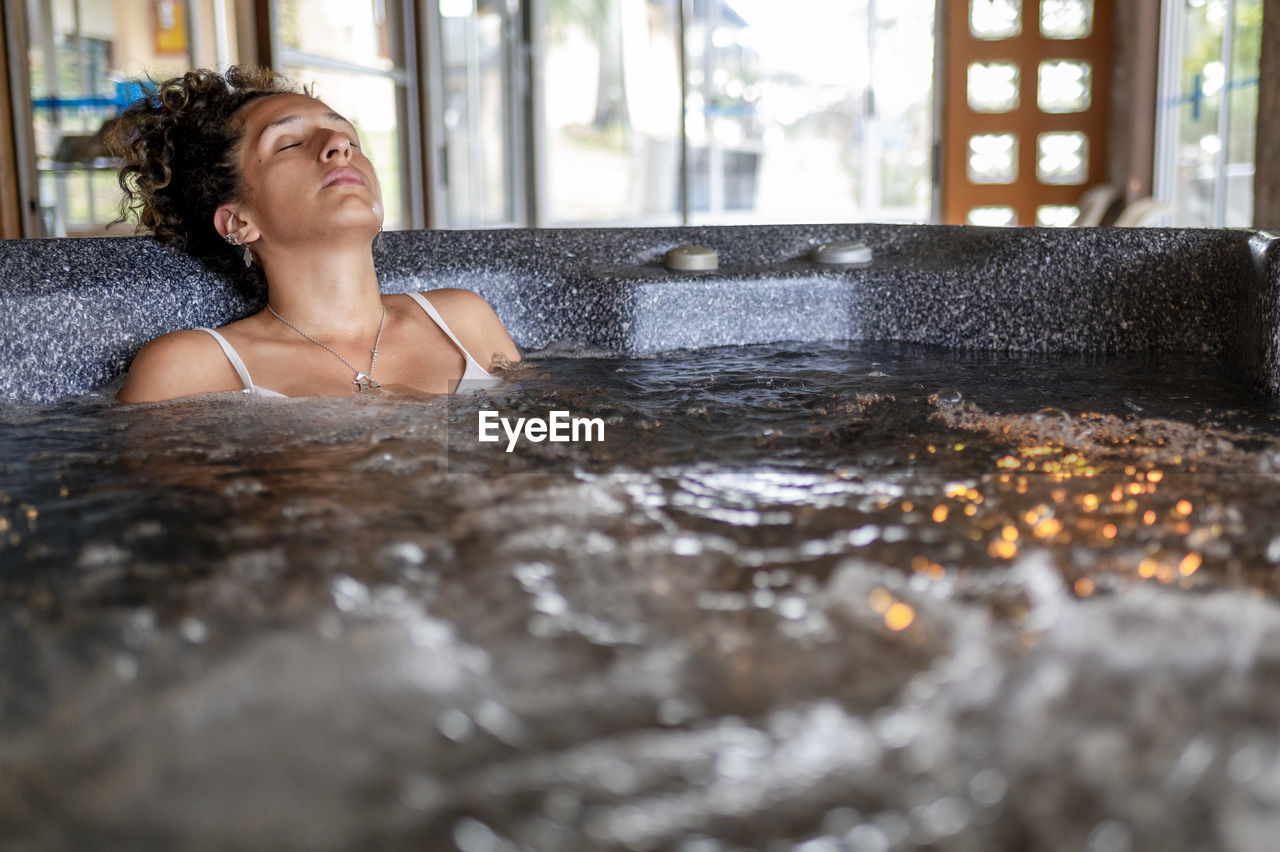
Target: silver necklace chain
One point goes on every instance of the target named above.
(362, 381)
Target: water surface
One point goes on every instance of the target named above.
(852, 596)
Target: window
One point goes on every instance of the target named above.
(1026, 109)
(662, 112)
(1207, 113)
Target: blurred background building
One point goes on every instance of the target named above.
(500, 113)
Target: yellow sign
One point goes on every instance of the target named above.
(170, 26)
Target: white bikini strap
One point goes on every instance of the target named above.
(439, 320)
(232, 356)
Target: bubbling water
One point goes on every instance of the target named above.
(850, 596)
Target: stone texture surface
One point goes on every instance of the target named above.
(73, 312)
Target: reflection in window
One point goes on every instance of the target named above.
(1208, 109)
(1057, 215)
(782, 121)
(993, 86)
(476, 103)
(1064, 86)
(993, 19)
(1066, 18)
(991, 217)
(1062, 158)
(993, 158)
(350, 30)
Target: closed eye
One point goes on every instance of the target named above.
(290, 145)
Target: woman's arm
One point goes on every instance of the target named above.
(475, 323)
(178, 364)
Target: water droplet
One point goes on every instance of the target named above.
(988, 788)
(193, 630)
(867, 838)
(1109, 836)
(455, 725)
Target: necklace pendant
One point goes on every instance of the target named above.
(364, 382)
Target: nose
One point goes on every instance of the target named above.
(337, 145)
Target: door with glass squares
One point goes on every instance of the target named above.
(1025, 122)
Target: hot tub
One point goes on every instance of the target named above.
(967, 547)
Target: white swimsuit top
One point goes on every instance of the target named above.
(473, 376)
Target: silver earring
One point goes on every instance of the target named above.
(248, 255)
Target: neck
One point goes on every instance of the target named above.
(331, 293)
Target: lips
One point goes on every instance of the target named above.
(344, 176)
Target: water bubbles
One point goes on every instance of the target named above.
(867, 838)
(987, 788)
(471, 835)
(500, 722)
(193, 630)
(942, 818)
(1192, 764)
(948, 396)
(550, 603)
(793, 607)
(455, 725)
(763, 598)
(893, 826)
(349, 594)
(101, 555)
(405, 553)
(1109, 836)
(1247, 764)
(686, 545)
(895, 729)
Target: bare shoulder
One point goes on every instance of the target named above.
(475, 323)
(178, 364)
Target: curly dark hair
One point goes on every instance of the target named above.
(180, 146)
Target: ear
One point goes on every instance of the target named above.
(233, 218)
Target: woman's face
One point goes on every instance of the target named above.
(304, 176)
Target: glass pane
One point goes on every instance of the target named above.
(783, 121)
(84, 62)
(1246, 47)
(612, 83)
(477, 108)
(1066, 18)
(992, 19)
(791, 122)
(1062, 158)
(993, 158)
(993, 86)
(1057, 215)
(1065, 85)
(370, 103)
(992, 216)
(356, 31)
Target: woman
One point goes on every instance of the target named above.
(243, 163)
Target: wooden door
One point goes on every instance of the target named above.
(1027, 102)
